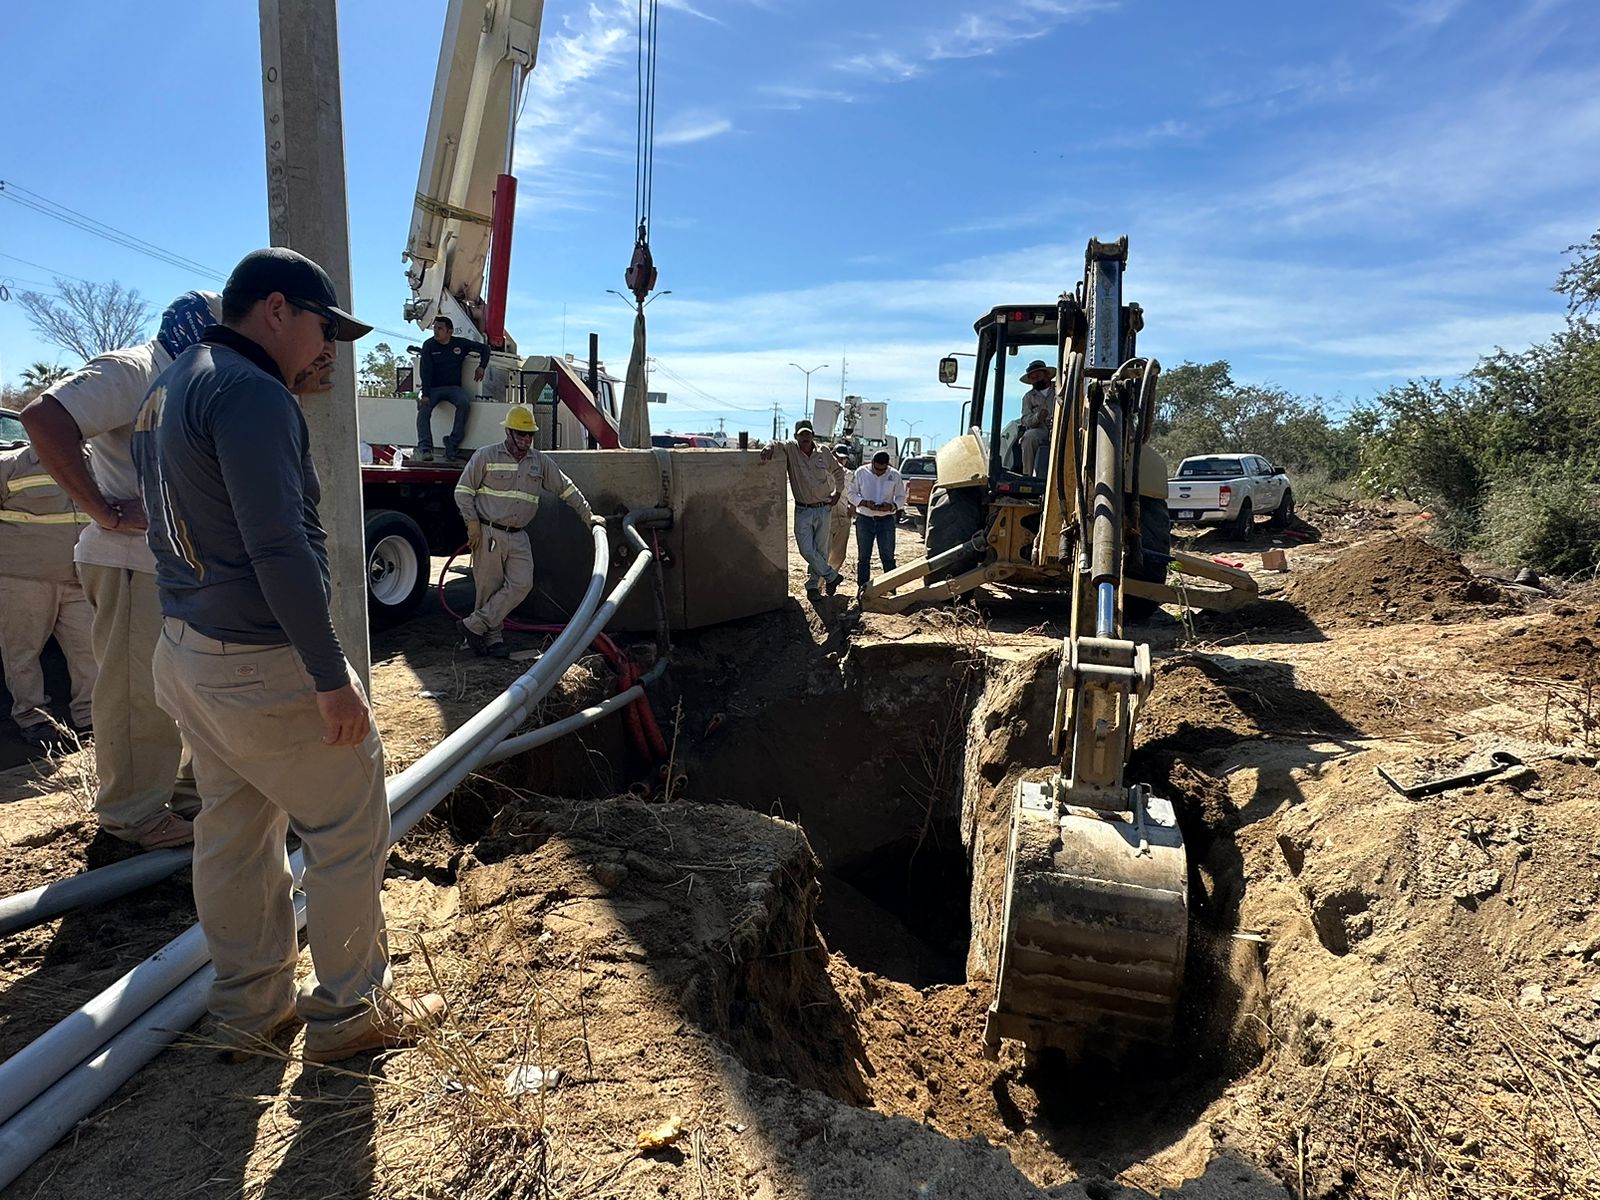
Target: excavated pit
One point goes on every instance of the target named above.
(898, 764)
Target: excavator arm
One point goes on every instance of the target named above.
(1095, 925)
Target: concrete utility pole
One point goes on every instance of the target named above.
(306, 211)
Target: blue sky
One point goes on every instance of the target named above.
(1333, 197)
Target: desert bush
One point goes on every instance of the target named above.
(1545, 516)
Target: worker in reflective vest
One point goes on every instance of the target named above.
(497, 495)
(40, 594)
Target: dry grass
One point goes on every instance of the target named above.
(1533, 1135)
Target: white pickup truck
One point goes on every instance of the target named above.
(1231, 490)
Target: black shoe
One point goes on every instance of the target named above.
(423, 456)
(497, 650)
(831, 586)
(474, 640)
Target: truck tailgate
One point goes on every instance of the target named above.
(1188, 498)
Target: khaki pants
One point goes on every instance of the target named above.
(502, 569)
(249, 715)
(30, 611)
(839, 533)
(138, 753)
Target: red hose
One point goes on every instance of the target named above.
(641, 718)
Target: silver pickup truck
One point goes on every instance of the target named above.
(1231, 490)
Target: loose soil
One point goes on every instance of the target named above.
(782, 946)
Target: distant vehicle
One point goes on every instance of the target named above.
(920, 474)
(11, 431)
(686, 441)
(1230, 490)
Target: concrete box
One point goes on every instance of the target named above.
(728, 545)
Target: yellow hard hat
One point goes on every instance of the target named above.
(521, 420)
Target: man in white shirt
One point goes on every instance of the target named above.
(137, 745)
(877, 494)
(1038, 412)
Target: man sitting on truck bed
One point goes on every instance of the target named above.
(442, 356)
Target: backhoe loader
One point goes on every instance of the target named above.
(1095, 923)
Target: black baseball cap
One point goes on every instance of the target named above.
(279, 269)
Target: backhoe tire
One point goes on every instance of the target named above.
(1155, 542)
(954, 516)
(1245, 523)
(1283, 517)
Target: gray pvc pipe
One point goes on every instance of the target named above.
(45, 903)
(50, 900)
(117, 1023)
(52, 1114)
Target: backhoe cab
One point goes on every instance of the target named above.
(990, 522)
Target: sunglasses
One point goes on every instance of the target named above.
(330, 327)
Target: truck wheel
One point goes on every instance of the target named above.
(397, 566)
(954, 516)
(1284, 517)
(1245, 524)
(1155, 544)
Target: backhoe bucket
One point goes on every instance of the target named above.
(1096, 924)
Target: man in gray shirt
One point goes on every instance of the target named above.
(249, 666)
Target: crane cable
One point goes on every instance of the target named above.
(641, 272)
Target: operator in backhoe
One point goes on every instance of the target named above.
(1038, 413)
(498, 494)
(442, 358)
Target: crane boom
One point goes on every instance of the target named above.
(487, 49)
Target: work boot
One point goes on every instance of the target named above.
(41, 735)
(392, 1022)
(497, 650)
(241, 1045)
(423, 456)
(832, 585)
(474, 640)
(164, 832)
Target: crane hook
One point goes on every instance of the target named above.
(641, 272)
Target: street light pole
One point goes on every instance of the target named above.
(807, 374)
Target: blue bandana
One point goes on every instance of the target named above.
(184, 321)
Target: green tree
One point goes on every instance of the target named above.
(1200, 409)
(1579, 281)
(42, 374)
(379, 368)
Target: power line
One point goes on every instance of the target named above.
(68, 216)
(724, 405)
(28, 263)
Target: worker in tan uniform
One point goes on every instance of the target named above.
(843, 517)
(145, 790)
(39, 593)
(498, 494)
(817, 481)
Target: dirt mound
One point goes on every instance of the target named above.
(1432, 975)
(1396, 578)
(1565, 646)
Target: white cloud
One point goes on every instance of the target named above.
(569, 108)
(888, 65)
(693, 127)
